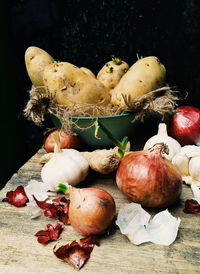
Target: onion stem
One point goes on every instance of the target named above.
(121, 145)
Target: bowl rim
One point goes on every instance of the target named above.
(102, 117)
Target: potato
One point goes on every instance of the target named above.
(145, 75)
(88, 71)
(36, 60)
(71, 85)
(112, 72)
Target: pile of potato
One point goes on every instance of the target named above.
(71, 85)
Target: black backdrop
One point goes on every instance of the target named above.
(87, 33)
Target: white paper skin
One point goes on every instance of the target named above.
(39, 190)
(34, 210)
(196, 192)
(139, 227)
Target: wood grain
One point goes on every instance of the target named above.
(22, 254)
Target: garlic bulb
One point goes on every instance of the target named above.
(162, 137)
(67, 166)
(187, 160)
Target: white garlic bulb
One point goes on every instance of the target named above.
(68, 166)
(162, 137)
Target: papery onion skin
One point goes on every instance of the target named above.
(149, 179)
(91, 210)
(185, 125)
(66, 140)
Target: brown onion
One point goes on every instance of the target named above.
(66, 140)
(91, 210)
(149, 179)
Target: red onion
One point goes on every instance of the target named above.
(185, 125)
(66, 140)
(148, 178)
(91, 210)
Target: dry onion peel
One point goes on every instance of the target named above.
(17, 197)
(139, 227)
(76, 254)
(49, 233)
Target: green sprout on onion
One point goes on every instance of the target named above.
(64, 188)
(121, 145)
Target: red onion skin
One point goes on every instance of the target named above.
(149, 179)
(66, 141)
(91, 210)
(185, 125)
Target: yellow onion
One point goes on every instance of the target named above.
(91, 210)
(148, 178)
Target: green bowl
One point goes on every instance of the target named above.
(119, 125)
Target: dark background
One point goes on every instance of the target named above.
(87, 33)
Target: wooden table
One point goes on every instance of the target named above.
(21, 253)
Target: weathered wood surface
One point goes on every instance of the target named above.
(22, 254)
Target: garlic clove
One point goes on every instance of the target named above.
(194, 168)
(181, 163)
(45, 158)
(190, 151)
(190, 181)
(188, 163)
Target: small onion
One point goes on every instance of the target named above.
(66, 140)
(185, 125)
(149, 179)
(91, 210)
